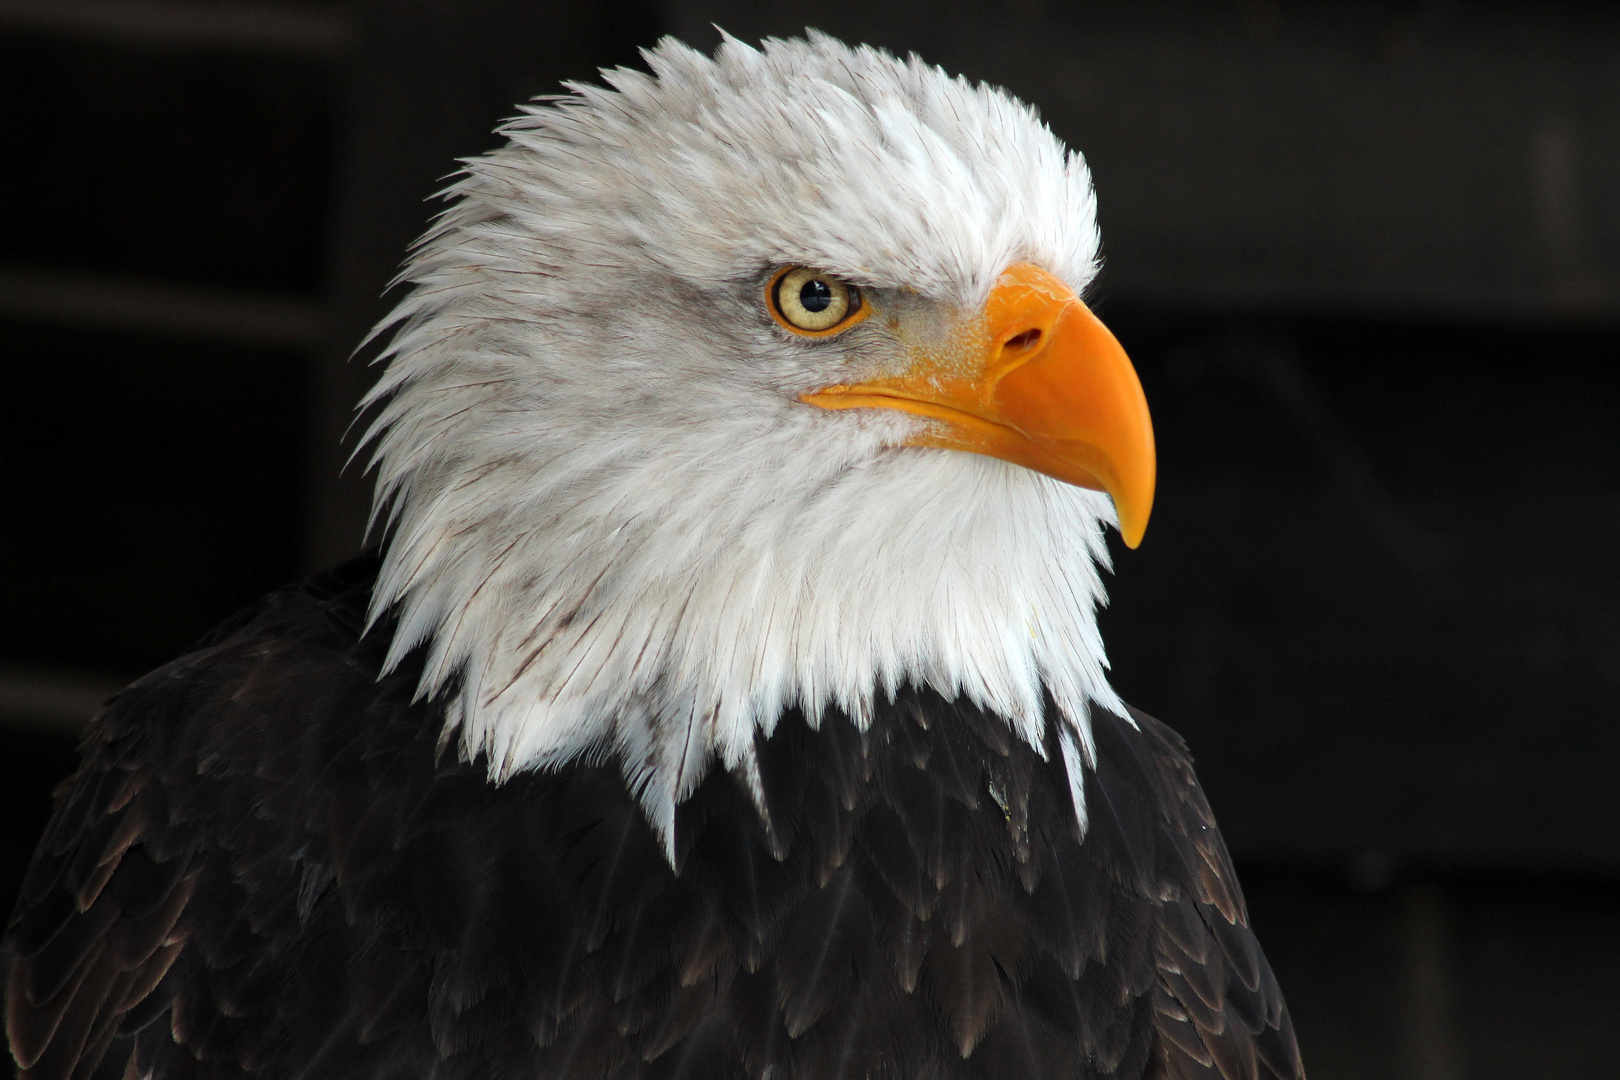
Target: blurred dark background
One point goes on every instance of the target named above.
(1366, 256)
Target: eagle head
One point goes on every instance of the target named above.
(760, 382)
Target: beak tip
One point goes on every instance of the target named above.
(1132, 526)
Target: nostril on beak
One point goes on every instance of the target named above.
(1027, 340)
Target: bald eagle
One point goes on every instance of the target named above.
(725, 699)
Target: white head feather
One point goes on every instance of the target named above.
(613, 523)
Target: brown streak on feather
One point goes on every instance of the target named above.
(151, 973)
(129, 830)
(133, 785)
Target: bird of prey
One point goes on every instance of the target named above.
(725, 698)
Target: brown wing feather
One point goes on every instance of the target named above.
(90, 955)
(1217, 1006)
(97, 927)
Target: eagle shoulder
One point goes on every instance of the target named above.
(181, 858)
(1217, 1007)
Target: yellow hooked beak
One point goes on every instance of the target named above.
(1038, 381)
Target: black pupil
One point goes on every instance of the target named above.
(816, 295)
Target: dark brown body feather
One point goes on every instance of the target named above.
(266, 866)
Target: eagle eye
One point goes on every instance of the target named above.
(813, 303)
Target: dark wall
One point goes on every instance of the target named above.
(155, 479)
(166, 476)
(1378, 594)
